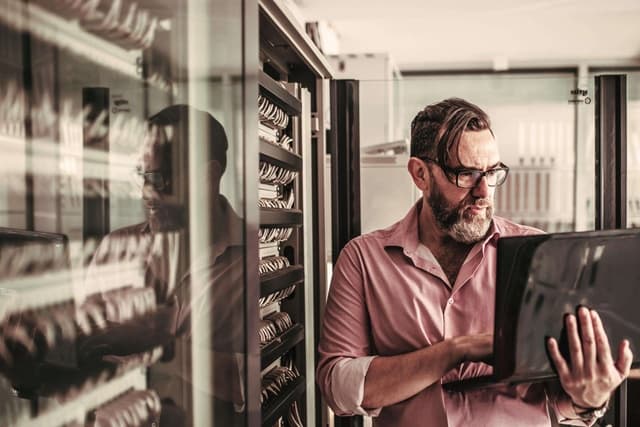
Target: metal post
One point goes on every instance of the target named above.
(345, 163)
(345, 178)
(611, 151)
(611, 183)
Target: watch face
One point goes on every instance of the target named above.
(593, 414)
(600, 412)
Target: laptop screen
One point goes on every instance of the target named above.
(542, 277)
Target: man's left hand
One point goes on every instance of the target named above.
(591, 375)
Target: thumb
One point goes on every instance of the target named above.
(625, 357)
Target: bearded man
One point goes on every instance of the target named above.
(411, 307)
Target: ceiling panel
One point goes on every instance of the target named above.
(421, 34)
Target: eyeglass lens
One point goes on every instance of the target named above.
(471, 178)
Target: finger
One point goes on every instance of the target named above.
(625, 358)
(602, 341)
(588, 340)
(575, 346)
(561, 365)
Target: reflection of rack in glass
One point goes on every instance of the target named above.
(47, 135)
(68, 33)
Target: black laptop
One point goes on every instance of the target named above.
(542, 277)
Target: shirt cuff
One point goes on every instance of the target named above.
(347, 386)
(567, 414)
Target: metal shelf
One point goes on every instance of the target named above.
(77, 409)
(272, 90)
(281, 345)
(281, 279)
(280, 217)
(279, 407)
(279, 156)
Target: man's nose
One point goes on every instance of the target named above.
(149, 191)
(481, 189)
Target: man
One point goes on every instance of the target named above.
(194, 291)
(411, 307)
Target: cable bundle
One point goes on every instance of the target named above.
(271, 264)
(286, 201)
(276, 296)
(286, 142)
(275, 381)
(271, 114)
(274, 234)
(49, 333)
(52, 334)
(275, 174)
(273, 326)
(132, 409)
(123, 304)
(129, 27)
(293, 418)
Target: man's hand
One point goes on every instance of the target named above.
(592, 374)
(474, 348)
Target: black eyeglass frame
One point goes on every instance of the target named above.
(476, 174)
(155, 179)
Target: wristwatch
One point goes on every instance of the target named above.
(590, 414)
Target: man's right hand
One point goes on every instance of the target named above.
(392, 379)
(474, 348)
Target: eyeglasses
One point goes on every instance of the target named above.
(155, 179)
(469, 178)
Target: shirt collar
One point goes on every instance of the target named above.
(232, 226)
(404, 233)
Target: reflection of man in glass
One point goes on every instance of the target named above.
(194, 292)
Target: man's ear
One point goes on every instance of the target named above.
(419, 173)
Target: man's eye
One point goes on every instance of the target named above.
(466, 174)
(492, 172)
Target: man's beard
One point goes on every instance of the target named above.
(166, 217)
(458, 223)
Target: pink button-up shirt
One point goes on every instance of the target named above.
(390, 296)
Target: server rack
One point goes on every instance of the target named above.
(291, 78)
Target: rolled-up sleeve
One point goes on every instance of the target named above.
(345, 349)
(563, 409)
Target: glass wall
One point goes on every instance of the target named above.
(122, 285)
(542, 136)
(633, 149)
(633, 141)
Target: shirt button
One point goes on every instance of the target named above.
(450, 301)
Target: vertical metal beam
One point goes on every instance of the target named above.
(611, 151)
(345, 178)
(345, 163)
(611, 182)
(319, 234)
(250, 66)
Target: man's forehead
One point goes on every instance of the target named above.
(475, 149)
(155, 137)
(153, 150)
(156, 134)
